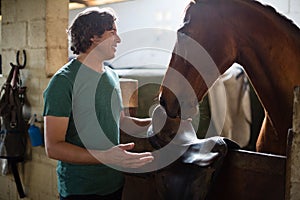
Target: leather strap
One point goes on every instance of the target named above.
(14, 169)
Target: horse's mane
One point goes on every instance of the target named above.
(271, 10)
(267, 8)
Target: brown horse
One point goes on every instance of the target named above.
(217, 33)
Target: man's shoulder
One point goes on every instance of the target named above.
(67, 72)
(112, 72)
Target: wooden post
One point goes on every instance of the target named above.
(129, 89)
(293, 152)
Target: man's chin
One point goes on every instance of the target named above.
(110, 57)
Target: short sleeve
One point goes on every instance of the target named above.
(117, 86)
(58, 97)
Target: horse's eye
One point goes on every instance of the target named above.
(162, 102)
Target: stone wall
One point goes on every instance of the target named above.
(38, 27)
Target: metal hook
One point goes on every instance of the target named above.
(19, 66)
(24, 59)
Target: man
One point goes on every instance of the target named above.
(83, 114)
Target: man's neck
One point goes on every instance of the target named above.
(93, 62)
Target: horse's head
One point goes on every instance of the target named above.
(197, 60)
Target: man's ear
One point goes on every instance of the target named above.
(95, 39)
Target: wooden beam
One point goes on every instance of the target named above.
(250, 175)
(293, 150)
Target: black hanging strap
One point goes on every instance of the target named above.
(14, 169)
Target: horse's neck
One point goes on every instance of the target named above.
(271, 36)
(269, 52)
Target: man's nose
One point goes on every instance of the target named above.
(118, 39)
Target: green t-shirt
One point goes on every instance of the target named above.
(93, 103)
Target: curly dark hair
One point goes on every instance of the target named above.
(90, 22)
